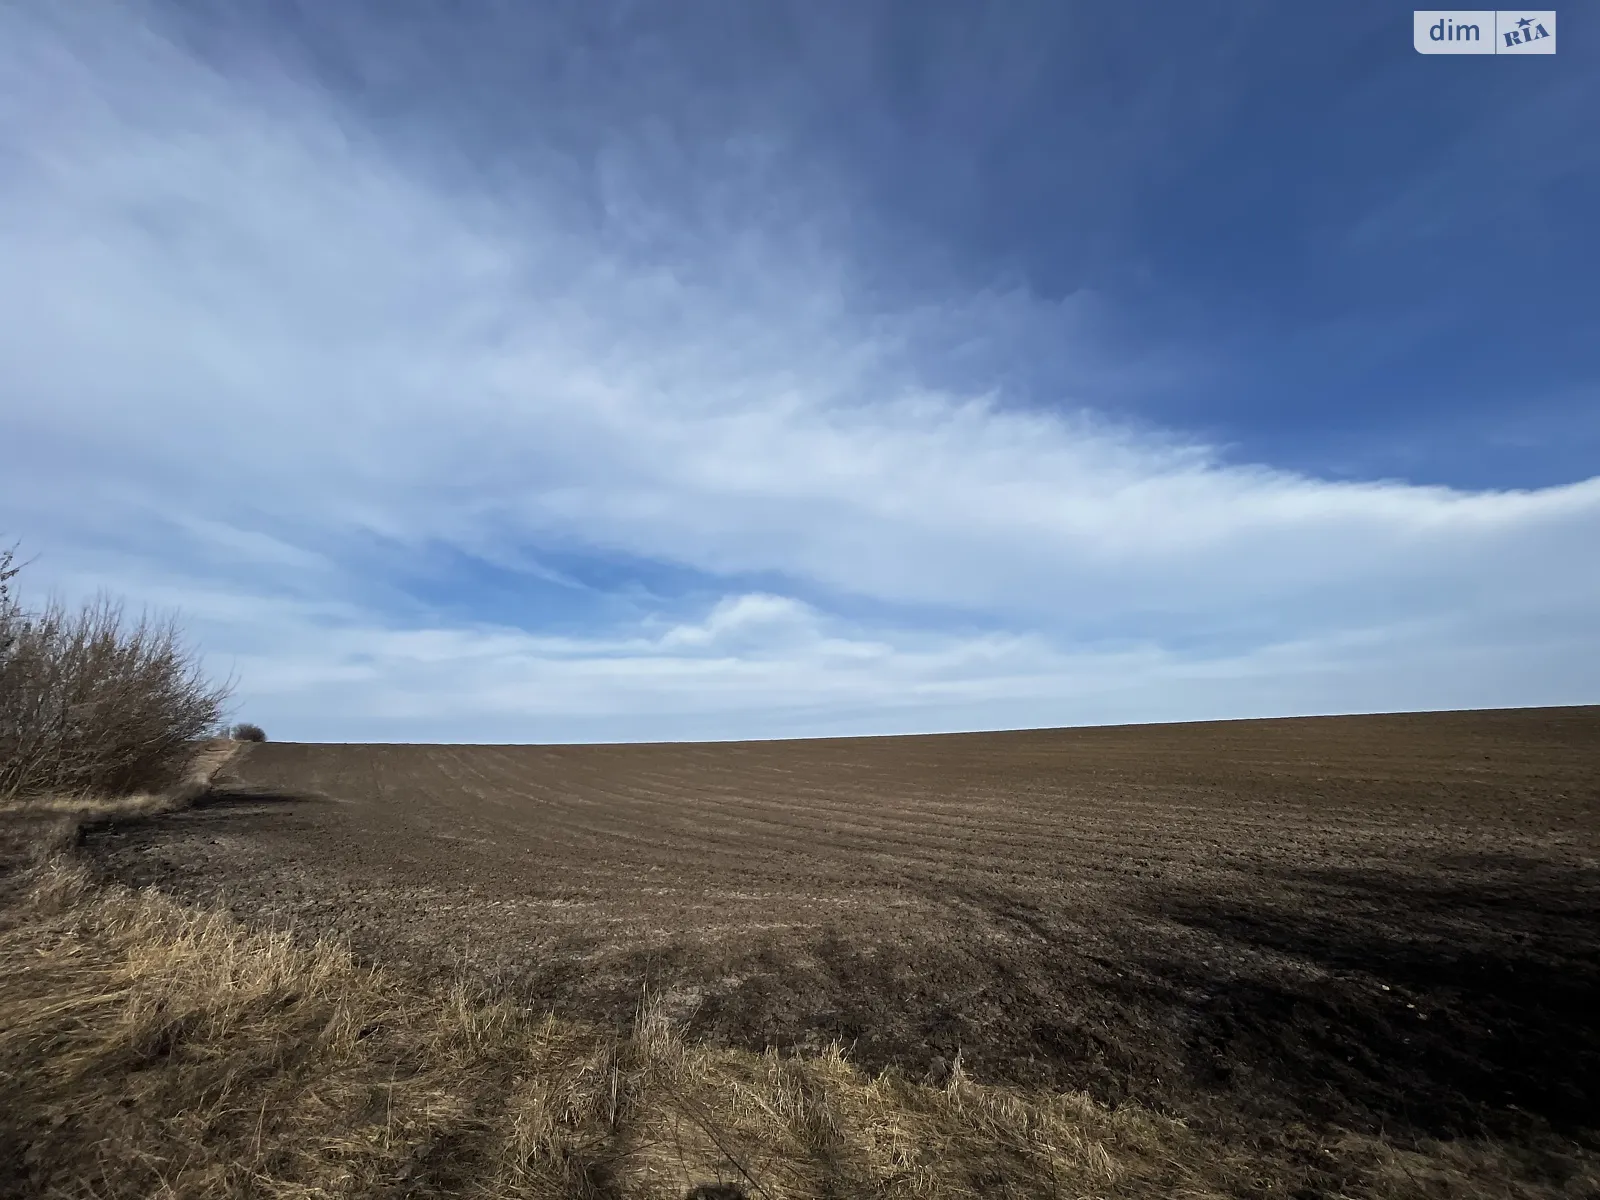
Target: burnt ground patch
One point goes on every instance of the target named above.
(181, 852)
(1371, 1016)
(244, 795)
(1438, 998)
(1451, 997)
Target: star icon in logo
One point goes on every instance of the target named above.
(1525, 22)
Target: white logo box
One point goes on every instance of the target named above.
(1484, 31)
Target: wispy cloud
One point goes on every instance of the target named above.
(253, 359)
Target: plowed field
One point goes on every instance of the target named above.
(1388, 921)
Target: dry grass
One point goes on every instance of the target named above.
(148, 1050)
(206, 758)
(152, 1051)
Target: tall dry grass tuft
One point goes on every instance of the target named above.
(92, 704)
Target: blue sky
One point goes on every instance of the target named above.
(542, 372)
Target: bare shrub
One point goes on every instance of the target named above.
(244, 731)
(93, 703)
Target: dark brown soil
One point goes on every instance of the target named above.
(1387, 922)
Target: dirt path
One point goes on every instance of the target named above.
(1386, 921)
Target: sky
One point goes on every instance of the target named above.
(504, 371)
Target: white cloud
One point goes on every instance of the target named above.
(738, 618)
(238, 341)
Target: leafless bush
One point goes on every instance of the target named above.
(244, 731)
(90, 703)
